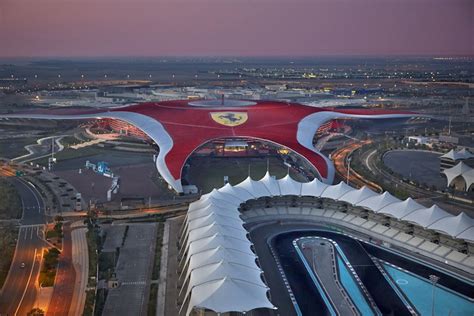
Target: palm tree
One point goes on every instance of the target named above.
(36, 312)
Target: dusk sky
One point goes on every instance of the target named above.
(235, 27)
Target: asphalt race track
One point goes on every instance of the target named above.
(275, 240)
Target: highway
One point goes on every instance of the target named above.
(368, 157)
(340, 157)
(33, 205)
(65, 279)
(19, 291)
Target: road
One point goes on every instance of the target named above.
(41, 149)
(451, 205)
(368, 158)
(19, 291)
(340, 157)
(32, 202)
(81, 265)
(65, 278)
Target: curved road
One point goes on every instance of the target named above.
(19, 291)
(65, 278)
(368, 158)
(339, 157)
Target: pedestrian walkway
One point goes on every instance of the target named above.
(65, 279)
(89, 143)
(171, 276)
(80, 260)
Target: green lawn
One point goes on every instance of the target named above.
(152, 300)
(159, 240)
(49, 267)
(69, 140)
(8, 237)
(208, 173)
(13, 148)
(10, 202)
(92, 248)
(89, 304)
(69, 153)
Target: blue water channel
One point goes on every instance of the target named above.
(419, 291)
(352, 288)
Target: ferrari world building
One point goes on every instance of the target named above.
(180, 127)
(281, 247)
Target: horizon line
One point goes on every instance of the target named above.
(459, 56)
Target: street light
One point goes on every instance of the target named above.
(348, 168)
(434, 280)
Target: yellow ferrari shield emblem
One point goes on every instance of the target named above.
(230, 118)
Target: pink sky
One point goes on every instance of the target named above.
(235, 27)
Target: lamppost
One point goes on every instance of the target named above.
(434, 280)
(348, 168)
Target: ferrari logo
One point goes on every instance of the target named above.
(230, 118)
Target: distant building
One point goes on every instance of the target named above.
(420, 140)
(123, 128)
(178, 128)
(276, 87)
(449, 139)
(12, 83)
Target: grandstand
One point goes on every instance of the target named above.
(214, 226)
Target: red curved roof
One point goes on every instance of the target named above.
(192, 126)
(179, 127)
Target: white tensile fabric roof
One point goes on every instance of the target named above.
(256, 188)
(288, 186)
(456, 225)
(217, 254)
(469, 178)
(222, 274)
(456, 155)
(426, 216)
(237, 192)
(355, 196)
(468, 234)
(401, 209)
(272, 184)
(378, 201)
(215, 241)
(313, 188)
(461, 169)
(336, 191)
(227, 294)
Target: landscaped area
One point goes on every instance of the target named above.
(91, 237)
(54, 234)
(11, 149)
(358, 164)
(89, 304)
(10, 202)
(8, 237)
(208, 173)
(152, 300)
(49, 267)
